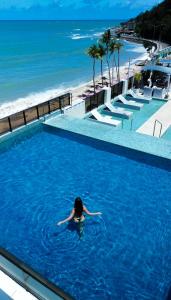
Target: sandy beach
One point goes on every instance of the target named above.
(10, 108)
(77, 92)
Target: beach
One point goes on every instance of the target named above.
(32, 75)
(7, 109)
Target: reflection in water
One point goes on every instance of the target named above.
(78, 227)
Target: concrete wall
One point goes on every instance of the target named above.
(76, 110)
(125, 86)
(107, 96)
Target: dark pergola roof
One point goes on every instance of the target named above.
(165, 61)
(158, 68)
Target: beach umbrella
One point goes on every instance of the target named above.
(157, 68)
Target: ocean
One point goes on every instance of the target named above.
(39, 58)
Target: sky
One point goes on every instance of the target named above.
(73, 9)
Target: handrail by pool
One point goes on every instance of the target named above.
(161, 126)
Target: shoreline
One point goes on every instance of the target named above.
(139, 40)
(33, 99)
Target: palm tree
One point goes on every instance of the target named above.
(138, 78)
(93, 53)
(106, 39)
(101, 53)
(112, 49)
(118, 47)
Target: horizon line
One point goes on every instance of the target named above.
(62, 19)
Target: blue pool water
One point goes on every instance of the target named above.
(167, 134)
(125, 254)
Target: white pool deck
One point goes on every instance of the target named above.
(163, 115)
(9, 289)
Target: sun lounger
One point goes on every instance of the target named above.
(147, 92)
(122, 102)
(132, 93)
(119, 111)
(159, 93)
(105, 119)
(138, 98)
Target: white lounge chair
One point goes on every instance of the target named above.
(119, 111)
(127, 103)
(133, 94)
(159, 93)
(147, 92)
(137, 97)
(104, 119)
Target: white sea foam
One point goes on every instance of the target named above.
(139, 49)
(98, 34)
(77, 36)
(29, 101)
(33, 99)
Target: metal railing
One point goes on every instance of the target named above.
(26, 116)
(97, 99)
(94, 100)
(29, 279)
(154, 129)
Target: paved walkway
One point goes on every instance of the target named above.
(163, 115)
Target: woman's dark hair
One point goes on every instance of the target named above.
(78, 206)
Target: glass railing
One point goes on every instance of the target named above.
(26, 116)
(30, 280)
(94, 100)
(116, 89)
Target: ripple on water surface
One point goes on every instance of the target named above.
(123, 254)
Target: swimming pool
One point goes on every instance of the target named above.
(125, 254)
(167, 134)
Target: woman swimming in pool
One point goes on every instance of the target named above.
(77, 212)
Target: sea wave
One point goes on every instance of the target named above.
(32, 99)
(77, 36)
(139, 49)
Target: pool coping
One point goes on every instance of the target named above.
(108, 133)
